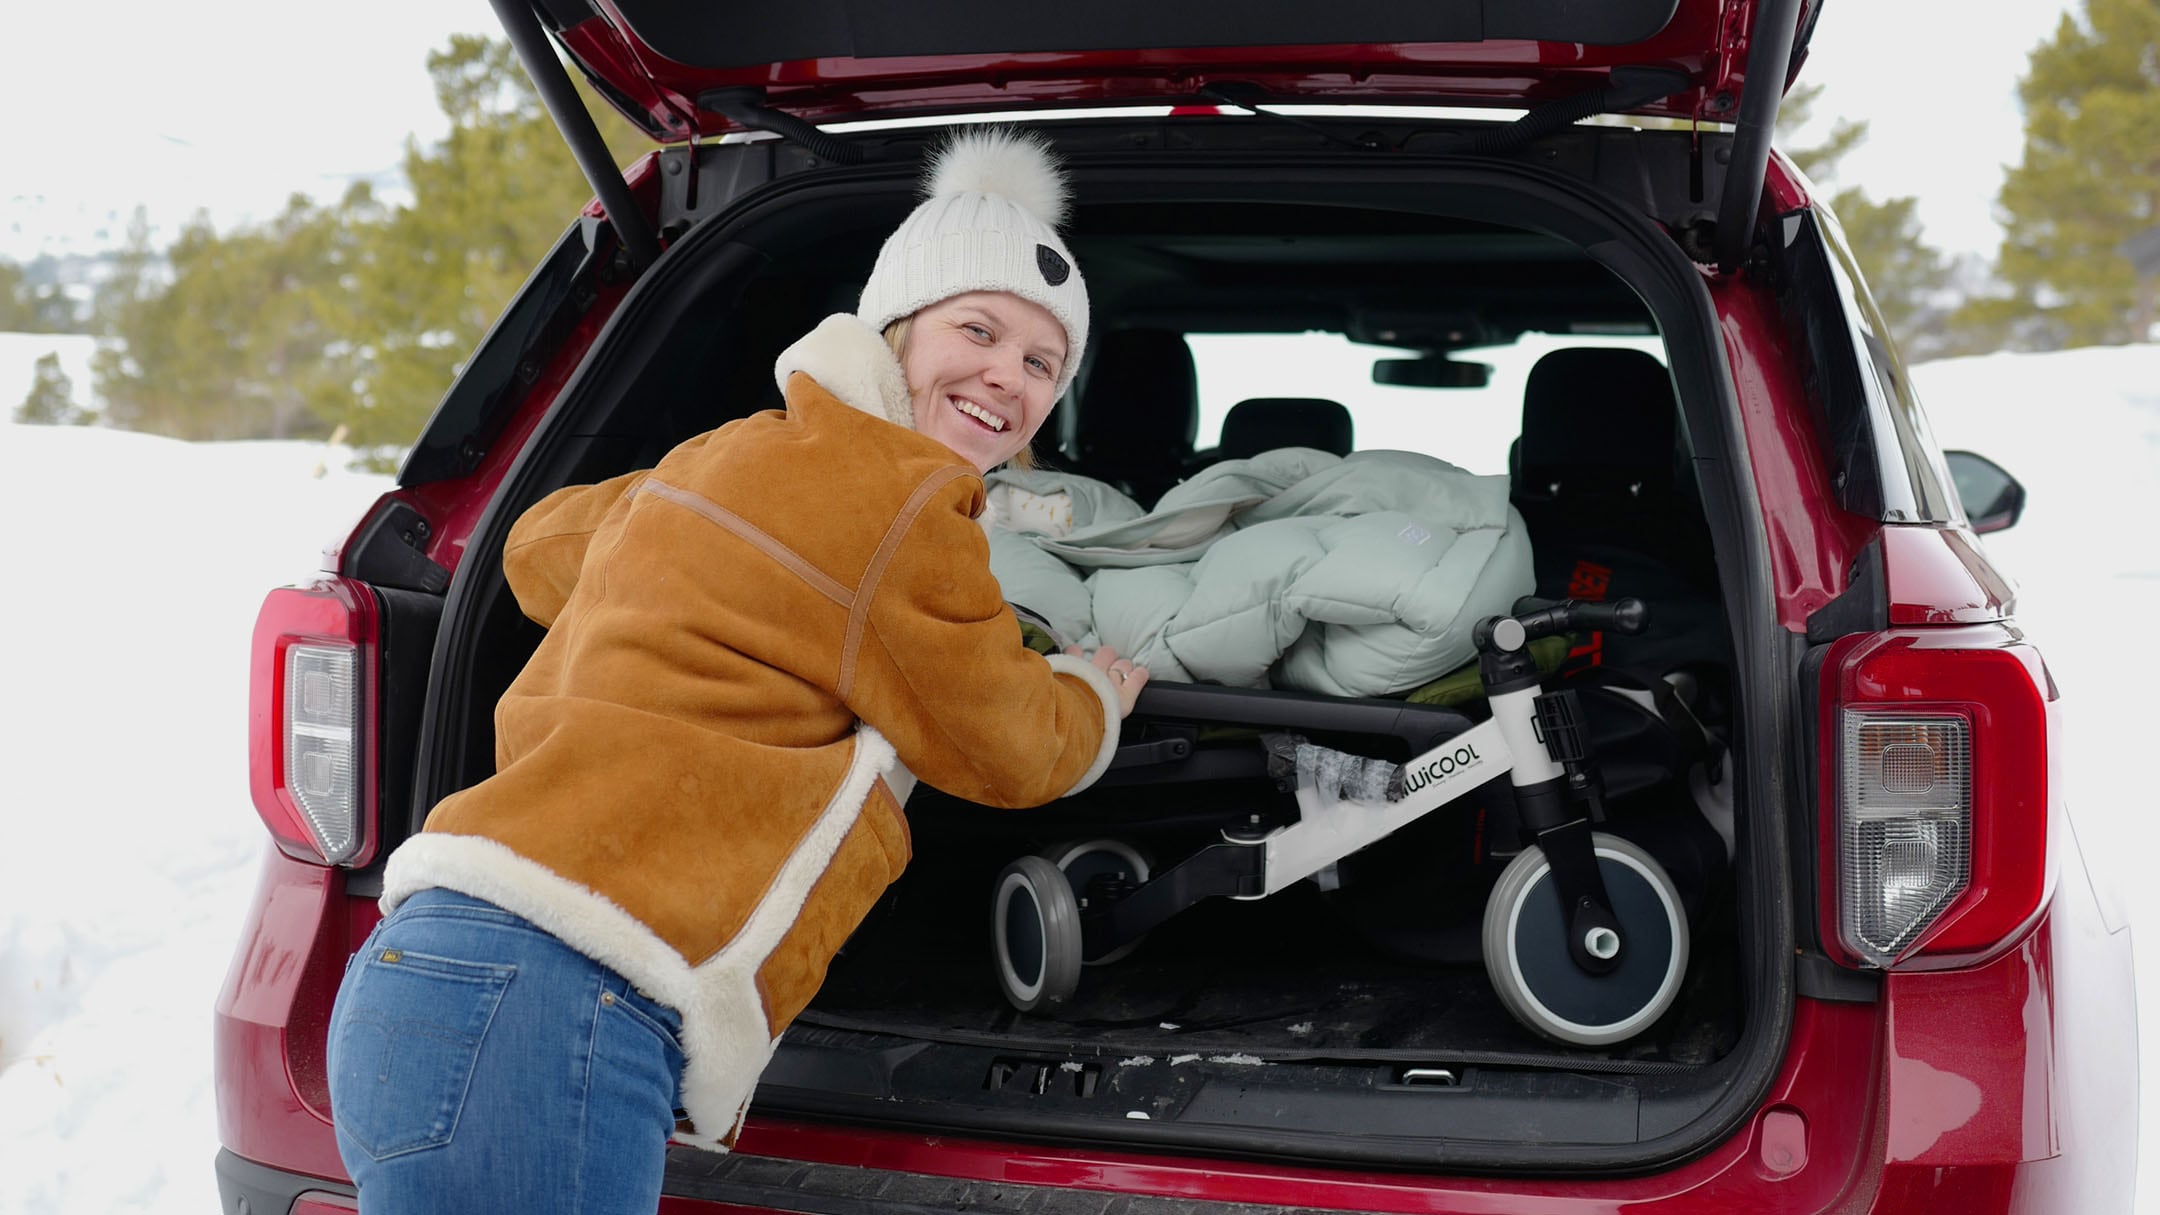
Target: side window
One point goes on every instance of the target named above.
(1916, 481)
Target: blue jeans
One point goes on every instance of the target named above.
(477, 1063)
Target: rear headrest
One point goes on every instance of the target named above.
(1596, 419)
(1140, 407)
(1264, 423)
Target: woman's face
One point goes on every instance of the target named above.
(982, 369)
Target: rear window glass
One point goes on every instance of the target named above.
(1471, 428)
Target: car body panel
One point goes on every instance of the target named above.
(1812, 540)
(829, 62)
(1939, 575)
(270, 1018)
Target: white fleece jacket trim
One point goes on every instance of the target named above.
(850, 360)
(726, 1038)
(1113, 715)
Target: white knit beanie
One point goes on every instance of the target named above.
(988, 222)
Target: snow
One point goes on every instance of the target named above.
(136, 565)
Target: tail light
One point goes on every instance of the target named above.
(1936, 779)
(310, 748)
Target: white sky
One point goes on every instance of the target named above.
(232, 109)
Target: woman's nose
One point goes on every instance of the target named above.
(1007, 370)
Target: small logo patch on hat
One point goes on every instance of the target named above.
(1055, 269)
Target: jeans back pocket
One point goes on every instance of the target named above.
(403, 1043)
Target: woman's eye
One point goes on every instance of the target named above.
(1041, 365)
(979, 331)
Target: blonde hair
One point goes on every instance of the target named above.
(896, 336)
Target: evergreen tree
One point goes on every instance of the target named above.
(355, 314)
(245, 342)
(52, 397)
(29, 307)
(2088, 181)
(1820, 160)
(488, 203)
(1909, 279)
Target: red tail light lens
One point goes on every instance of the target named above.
(1936, 779)
(310, 696)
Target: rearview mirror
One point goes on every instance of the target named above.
(1993, 498)
(1431, 371)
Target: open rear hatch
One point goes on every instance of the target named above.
(1341, 1021)
(682, 71)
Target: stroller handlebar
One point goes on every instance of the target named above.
(1543, 618)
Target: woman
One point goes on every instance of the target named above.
(753, 649)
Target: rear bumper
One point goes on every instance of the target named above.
(247, 1188)
(2008, 1087)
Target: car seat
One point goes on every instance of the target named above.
(1139, 410)
(1593, 475)
(1264, 423)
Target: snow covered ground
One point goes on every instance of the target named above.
(135, 566)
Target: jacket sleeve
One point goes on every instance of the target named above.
(941, 672)
(547, 543)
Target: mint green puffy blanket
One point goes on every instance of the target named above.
(1355, 575)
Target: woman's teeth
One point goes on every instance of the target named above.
(980, 414)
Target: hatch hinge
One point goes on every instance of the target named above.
(745, 107)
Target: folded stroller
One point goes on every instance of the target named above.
(1585, 934)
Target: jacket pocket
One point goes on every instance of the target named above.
(403, 1044)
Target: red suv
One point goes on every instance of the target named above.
(1895, 987)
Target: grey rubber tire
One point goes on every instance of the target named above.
(1035, 921)
(1093, 856)
(1526, 952)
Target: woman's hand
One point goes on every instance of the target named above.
(1124, 676)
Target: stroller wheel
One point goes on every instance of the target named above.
(1083, 861)
(1526, 948)
(1036, 923)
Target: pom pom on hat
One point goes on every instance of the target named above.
(993, 199)
(1014, 165)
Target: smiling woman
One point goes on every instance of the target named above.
(798, 667)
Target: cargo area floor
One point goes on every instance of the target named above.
(1285, 978)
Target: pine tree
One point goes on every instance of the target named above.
(488, 203)
(31, 307)
(245, 341)
(356, 313)
(1909, 279)
(2088, 181)
(52, 397)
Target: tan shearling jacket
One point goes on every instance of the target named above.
(753, 651)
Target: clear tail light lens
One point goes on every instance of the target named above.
(310, 750)
(1905, 844)
(322, 738)
(1936, 815)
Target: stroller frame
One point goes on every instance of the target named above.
(1624, 957)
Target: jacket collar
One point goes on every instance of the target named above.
(851, 361)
